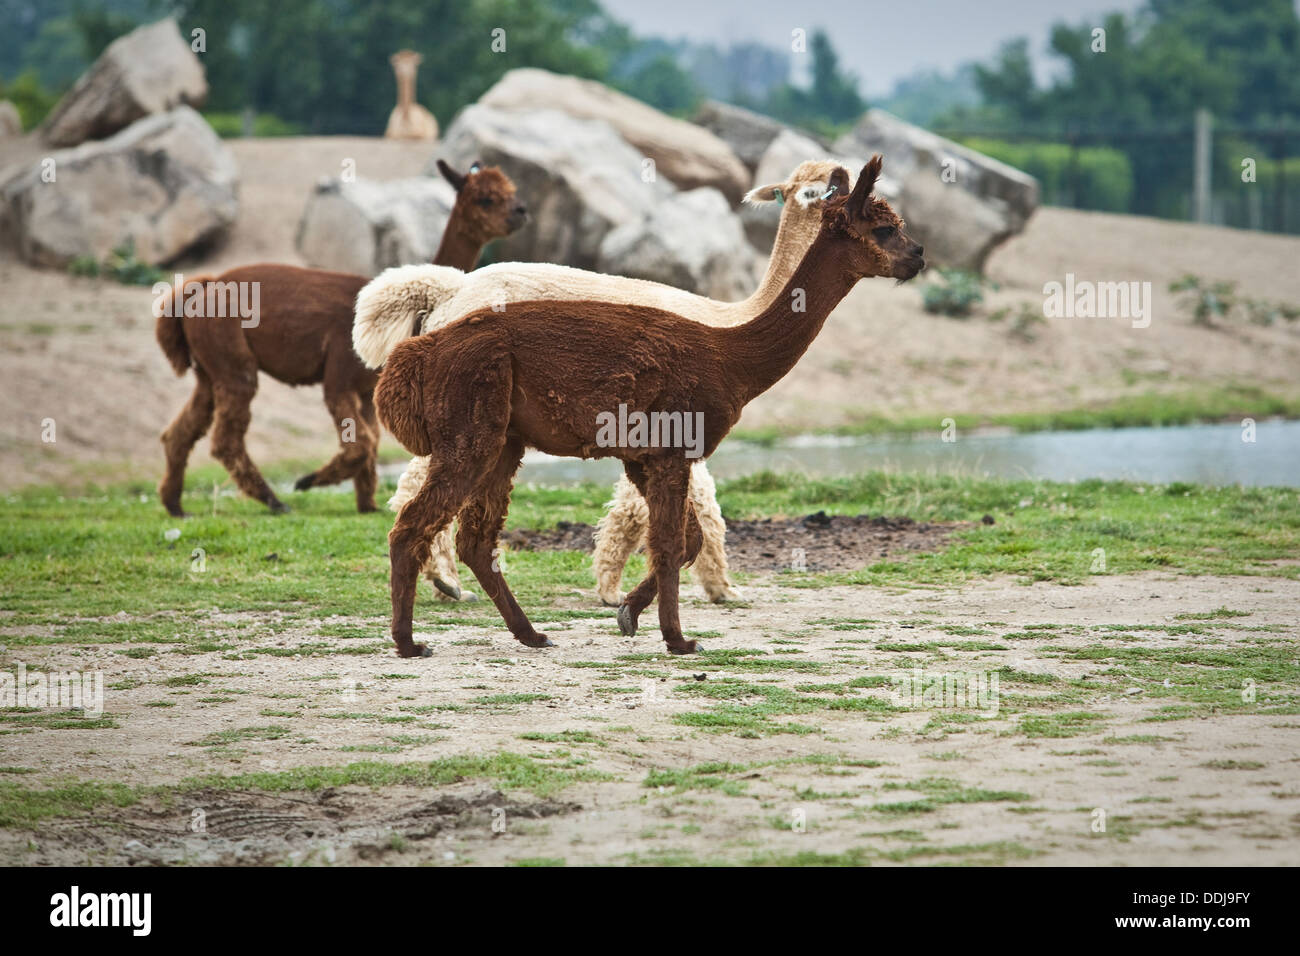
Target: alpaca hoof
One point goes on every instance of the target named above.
(305, 482)
(614, 601)
(366, 508)
(685, 647)
(277, 507)
(451, 590)
(177, 512)
(726, 595)
(415, 650)
(468, 597)
(626, 622)
(537, 640)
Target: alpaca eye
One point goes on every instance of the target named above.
(486, 201)
(883, 233)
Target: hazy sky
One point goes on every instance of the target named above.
(880, 42)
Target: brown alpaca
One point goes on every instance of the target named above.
(549, 375)
(301, 334)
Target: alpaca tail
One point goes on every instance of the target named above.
(399, 397)
(169, 330)
(398, 303)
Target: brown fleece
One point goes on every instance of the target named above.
(474, 394)
(303, 337)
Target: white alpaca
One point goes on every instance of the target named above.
(409, 300)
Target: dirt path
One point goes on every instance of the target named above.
(787, 738)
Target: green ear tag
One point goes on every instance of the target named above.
(780, 199)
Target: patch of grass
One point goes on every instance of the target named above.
(1068, 724)
(940, 791)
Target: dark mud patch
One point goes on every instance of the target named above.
(347, 825)
(815, 542)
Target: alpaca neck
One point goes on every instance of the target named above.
(457, 250)
(764, 349)
(793, 237)
(405, 91)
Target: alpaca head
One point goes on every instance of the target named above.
(405, 63)
(805, 188)
(487, 205)
(869, 233)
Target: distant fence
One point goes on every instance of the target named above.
(1250, 174)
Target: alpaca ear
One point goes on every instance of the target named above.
(858, 201)
(456, 179)
(839, 181)
(764, 194)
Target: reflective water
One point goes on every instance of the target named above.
(1204, 454)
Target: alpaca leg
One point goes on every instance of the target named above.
(440, 569)
(429, 511)
(668, 541)
(356, 453)
(710, 568)
(674, 539)
(178, 441)
(233, 416)
(476, 540)
(366, 478)
(620, 531)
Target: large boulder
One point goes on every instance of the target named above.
(686, 154)
(747, 133)
(165, 183)
(960, 204)
(363, 227)
(692, 241)
(150, 70)
(578, 177)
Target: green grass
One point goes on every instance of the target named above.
(69, 562)
(23, 806)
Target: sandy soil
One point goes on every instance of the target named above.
(1212, 789)
(82, 352)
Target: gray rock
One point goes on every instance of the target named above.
(960, 217)
(747, 133)
(166, 183)
(364, 227)
(150, 70)
(579, 177)
(684, 153)
(692, 241)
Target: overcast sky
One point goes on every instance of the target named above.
(880, 42)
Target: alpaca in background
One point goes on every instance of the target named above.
(301, 334)
(409, 120)
(410, 296)
(546, 374)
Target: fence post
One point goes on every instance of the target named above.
(1201, 167)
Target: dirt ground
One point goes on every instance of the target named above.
(81, 351)
(898, 784)
(827, 542)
